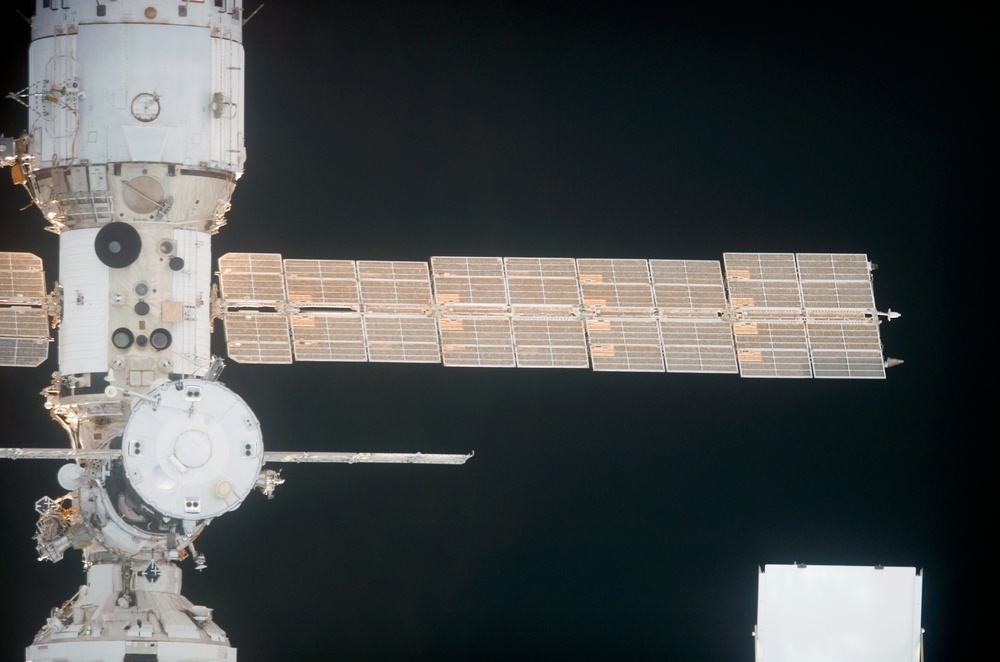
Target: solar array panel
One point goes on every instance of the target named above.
(836, 283)
(252, 279)
(325, 336)
(765, 315)
(258, 337)
(550, 343)
(24, 323)
(322, 283)
(22, 279)
(621, 286)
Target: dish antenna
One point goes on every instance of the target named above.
(133, 151)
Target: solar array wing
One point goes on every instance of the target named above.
(545, 303)
(253, 288)
(403, 287)
(625, 345)
(24, 323)
(396, 299)
(772, 348)
(846, 350)
(326, 336)
(622, 287)
(22, 279)
(804, 315)
(480, 342)
(691, 298)
(471, 293)
(841, 319)
(836, 283)
(771, 315)
(763, 284)
(322, 283)
(402, 339)
(252, 279)
(550, 342)
(253, 336)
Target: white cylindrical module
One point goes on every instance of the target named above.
(136, 111)
(135, 143)
(136, 302)
(154, 621)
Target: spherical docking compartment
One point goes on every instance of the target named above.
(192, 450)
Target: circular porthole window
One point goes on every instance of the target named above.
(141, 308)
(160, 339)
(141, 341)
(166, 246)
(141, 289)
(122, 338)
(118, 245)
(146, 106)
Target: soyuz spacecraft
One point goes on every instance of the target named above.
(133, 149)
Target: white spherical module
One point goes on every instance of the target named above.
(192, 449)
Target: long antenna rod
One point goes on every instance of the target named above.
(269, 456)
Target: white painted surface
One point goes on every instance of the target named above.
(191, 286)
(88, 83)
(83, 333)
(838, 613)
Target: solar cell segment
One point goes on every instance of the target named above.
(322, 283)
(763, 315)
(258, 337)
(252, 279)
(24, 322)
(22, 279)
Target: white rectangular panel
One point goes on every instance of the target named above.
(550, 343)
(698, 345)
(22, 279)
(615, 284)
(836, 282)
(767, 348)
(256, 337)
(84, 337)
(542, 281)
(845, 350)
(226, 128)
(402, 338)
(251, 279)
(765, 281)
(329, 337)
(394, 286)
(322, 283)
(688, 287)
(469, 280)
(630, 345)
(482, 342)
(861, 614)
(192, 336)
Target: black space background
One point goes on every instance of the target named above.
(604, 515)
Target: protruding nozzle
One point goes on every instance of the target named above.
(215, 369)
(891, 362)
(890, 314)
